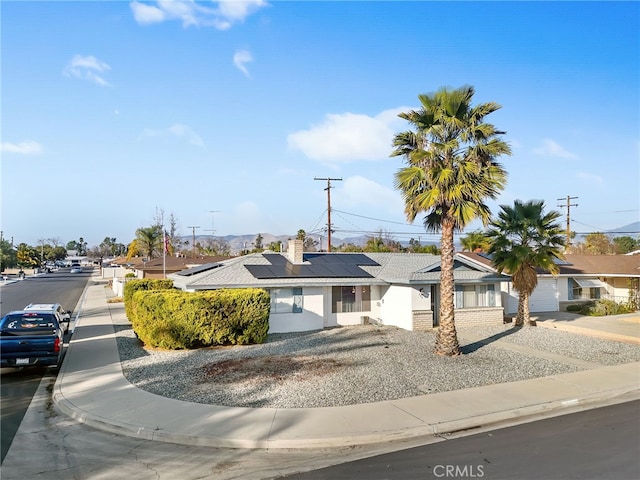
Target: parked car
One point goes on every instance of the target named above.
(30, 339)
(76, 269)
(63, 316)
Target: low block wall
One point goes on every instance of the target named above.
(471, 317)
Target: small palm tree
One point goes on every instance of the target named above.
(149, 241)
(475, 242)
(524, 239)
(451, 171)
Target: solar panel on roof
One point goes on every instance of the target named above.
(316, 266)
(200, 268)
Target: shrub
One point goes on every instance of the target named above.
(606, 307)
(179, 320)
(576, 307)
(145, 284)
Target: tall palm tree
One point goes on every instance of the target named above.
(524, 238)
(149, 240)
(451, 171)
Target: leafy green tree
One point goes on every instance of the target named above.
(625, 244)
(416, 247)
(302, 235)
(451, 171)
(382, 242)
(523, 239)
(598, 244)
(27, 257)
(8, 257)
(349, 247)
(475, 242)
(54, 253)
(72, 245)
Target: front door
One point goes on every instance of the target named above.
(435, 305)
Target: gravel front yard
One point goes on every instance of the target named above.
(352, 365)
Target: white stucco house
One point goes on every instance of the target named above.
(312, 291)
(581, 278)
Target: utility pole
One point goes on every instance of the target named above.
(568, 205)
(328, 189)
(193, 237)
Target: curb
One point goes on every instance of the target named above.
(427, 430)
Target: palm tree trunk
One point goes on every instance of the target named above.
(520, 314)
(526, 314)
(447, 338)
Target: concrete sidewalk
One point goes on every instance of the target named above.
(92, 389)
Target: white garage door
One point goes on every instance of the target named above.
(543, 299)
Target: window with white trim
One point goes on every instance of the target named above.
(286, 300)
(473, 296)
(351, 299)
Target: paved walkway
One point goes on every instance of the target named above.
(92, 389)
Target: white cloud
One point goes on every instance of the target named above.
(176, 130)
(359, 191)
(87, 68)
(22, 148)
(191, 13)
(348, 137)
(240, 59)
(550, 148)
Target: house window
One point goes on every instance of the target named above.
(351, 299)
(472, 296)
(286, 300)
(578, 291)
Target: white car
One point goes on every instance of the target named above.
(64, 316)
(76, 269)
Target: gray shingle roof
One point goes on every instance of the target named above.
(391, 268)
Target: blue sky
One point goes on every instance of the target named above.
(113, 110)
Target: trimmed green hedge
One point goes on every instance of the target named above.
(183, 320)
(145, 284)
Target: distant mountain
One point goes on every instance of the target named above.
(631, 229)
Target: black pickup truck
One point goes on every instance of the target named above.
(30, 339)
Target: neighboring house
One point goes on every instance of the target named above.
(312, 291)
(581, 277)
(159, 267)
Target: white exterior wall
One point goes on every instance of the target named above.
(311, 317)
(396, 307)
(545, 297)
(421, 300)
(562, 284)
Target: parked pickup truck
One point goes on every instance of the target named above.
(30, 339)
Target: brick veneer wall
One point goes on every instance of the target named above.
(423, 319)
(469, 317)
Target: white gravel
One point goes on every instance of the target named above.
(351, 365)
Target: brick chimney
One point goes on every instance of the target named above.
(295, 251)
